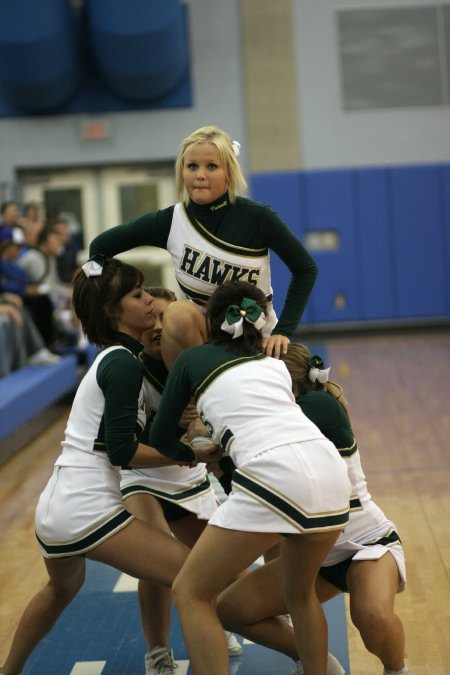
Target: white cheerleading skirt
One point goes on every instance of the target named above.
(290, 489)
(79, 509)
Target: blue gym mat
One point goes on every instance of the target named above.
(100, 634)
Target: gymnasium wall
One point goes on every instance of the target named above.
(141, 136)
(366, 181)
(368, 189)
(380, 237)
(412, 128)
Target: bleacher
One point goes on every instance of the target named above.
(33, 396)
(30, 398)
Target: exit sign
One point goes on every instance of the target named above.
(96, 129)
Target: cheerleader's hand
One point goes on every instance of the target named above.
(206, 453)
(189, 415)
(276, 345)
(215, 469)
(197, 428)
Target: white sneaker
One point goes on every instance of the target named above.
(43, 357)
(159, 661)
(333, 667)
(234, 647)
(405, 669)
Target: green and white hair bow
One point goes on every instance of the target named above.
(317, 372)
(235, 315)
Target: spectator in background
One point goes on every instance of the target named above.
(26, 346)
(41, 265)
(67, 256)
(10, 215)
(75, 229)
(28, 299)
(13, 279)
(32, 223)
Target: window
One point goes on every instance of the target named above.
(394, 57)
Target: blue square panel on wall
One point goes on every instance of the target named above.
(446, 235)
(284, 192)
(374, 233)
(419, 257)
(331, 238)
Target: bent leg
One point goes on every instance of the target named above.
(155, 601)
(143, 551)
(372, 586)
(66, 577)
(301, 558)
(188, 529)
(184, 326)
(252, 606)
(218, 556)
(155, 605)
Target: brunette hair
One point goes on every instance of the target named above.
(224, 144)
(232, 293)
(95, 298)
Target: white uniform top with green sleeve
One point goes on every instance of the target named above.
(189, 487)
(81, 506)
(284, 463)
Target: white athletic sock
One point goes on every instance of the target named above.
(392, 672)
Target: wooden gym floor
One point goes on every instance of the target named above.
(397, 386)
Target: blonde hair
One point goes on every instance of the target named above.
(223, 143)
(161, 292)
(298, 363)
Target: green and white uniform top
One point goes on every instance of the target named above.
(289, 477)
(331, 418)
(246, 402)
(81, 505)
(108, 412)
(186, 486)
(369, 534)
(213, 243)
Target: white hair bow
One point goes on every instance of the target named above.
(236, 148)
(94, 266)
(318, 374)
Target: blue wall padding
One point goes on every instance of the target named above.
(284, 192)
(27, 391)
(418, 241)
(39, 62)
(445, 206)
(142, 53)
(330, 207)
(375, 262)
(393, 224)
